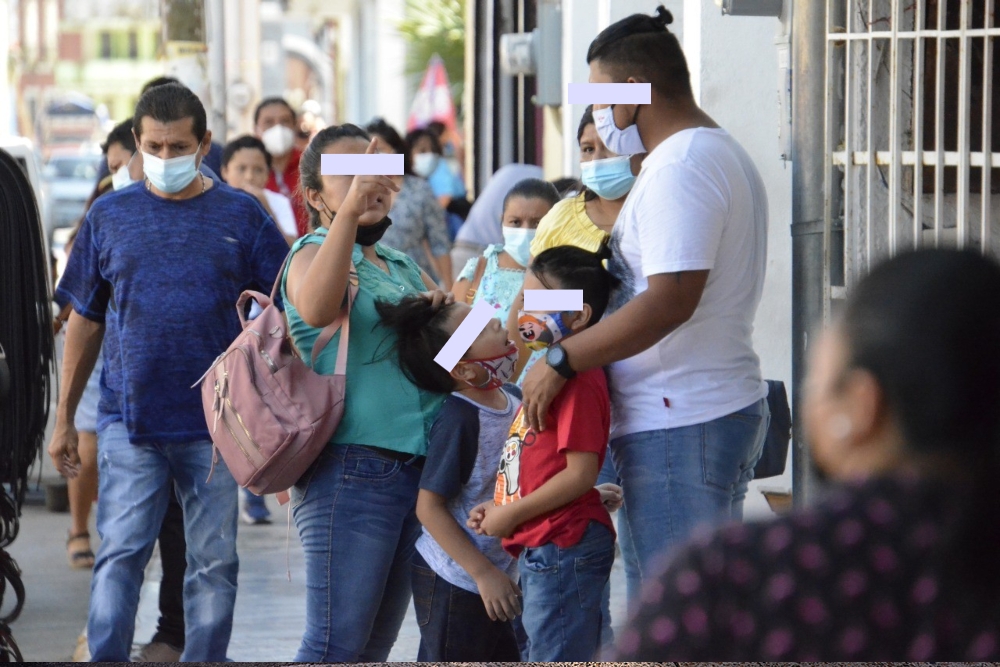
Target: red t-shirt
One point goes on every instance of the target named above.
(289, 186)
(582, 423)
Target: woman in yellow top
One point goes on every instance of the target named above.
(586, 220)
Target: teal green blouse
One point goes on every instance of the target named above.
(382, 408)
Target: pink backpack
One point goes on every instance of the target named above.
(270, 415)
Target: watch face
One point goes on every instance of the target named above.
(556, 356)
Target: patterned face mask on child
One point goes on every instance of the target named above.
(539, 330)
(499, 369)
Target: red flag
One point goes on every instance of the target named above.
(433, 100)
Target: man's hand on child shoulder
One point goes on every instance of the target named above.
(611, 496)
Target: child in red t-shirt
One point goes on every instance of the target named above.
(545, 505)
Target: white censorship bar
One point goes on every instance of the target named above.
(553, 300)
(465, 335)
(610, 93)
(362, 164)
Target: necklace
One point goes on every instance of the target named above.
(148, 186)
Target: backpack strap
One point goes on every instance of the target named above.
(470, 295)
(343, 320)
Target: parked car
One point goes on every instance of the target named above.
(70, 179)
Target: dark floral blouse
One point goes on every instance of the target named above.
(863, 576)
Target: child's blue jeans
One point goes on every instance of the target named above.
(562, 596)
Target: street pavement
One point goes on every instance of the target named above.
(270, 609)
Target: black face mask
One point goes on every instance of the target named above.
(372, 234)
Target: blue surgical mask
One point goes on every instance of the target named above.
(622, 142)
(610, 178)
(171, 175)
(517, 243)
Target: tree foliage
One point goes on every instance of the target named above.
(436, 27)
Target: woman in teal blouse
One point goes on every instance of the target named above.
(355, 506)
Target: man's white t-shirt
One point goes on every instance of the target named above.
(284, 217)
(698, 203)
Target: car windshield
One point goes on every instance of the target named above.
(83, 168)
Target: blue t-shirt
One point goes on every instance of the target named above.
(466, 442)
(164, 277)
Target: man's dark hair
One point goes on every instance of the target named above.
(168, 103)
(310, 164)
(158, 81)
(268, 102)
(532, 188)
(241, 143)
(641, 46)
(383, 129)
(121, 134)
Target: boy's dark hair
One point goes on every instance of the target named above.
(158, 81)
(168, 103)
(416, 135)
(641, 46)
(569, 267)
(312, 157)
(532, 188)
(121, 134)
(241, 143)
(268, 102)
(383, 129)
(420, 335)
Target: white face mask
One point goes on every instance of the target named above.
(171, 175)
(517, 243)
(424, 164)
(621, 142)
(121, 178)
(278, 140)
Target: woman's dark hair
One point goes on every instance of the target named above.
(167, 103)
(926, 325)
(268, 102)
(121, 134)
(569, 267)
(310, 164)
(242, 143)
(641, 46)
(420, 335)
(532, 188)
(416, 135)
(383, 129)
(586, 119)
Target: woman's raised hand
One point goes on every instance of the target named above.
(370, 197)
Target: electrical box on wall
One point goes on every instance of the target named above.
(752, 7)
(538, 53)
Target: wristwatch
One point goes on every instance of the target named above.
(557, 358)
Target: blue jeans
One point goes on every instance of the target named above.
(134, 489)
(676, 479)
(562, 596)
(355, 510)
(454, 625)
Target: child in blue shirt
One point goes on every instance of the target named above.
(464, 585)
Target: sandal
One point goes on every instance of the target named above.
(79, 559)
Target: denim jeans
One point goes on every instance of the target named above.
(676, 479)
(170, 627)
(454, 625)
(562, 596)
(134, 490)
(355, 511)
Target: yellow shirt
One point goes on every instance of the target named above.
(567, 224)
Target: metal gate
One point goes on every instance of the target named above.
(911, 132)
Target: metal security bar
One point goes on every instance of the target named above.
(911, 138)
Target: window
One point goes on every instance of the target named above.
(105, 38)
(133, 45)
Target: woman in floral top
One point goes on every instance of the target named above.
(523, 208)
(899, 562)
(419, 229)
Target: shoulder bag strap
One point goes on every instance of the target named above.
(343, 320)
(470, 295)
